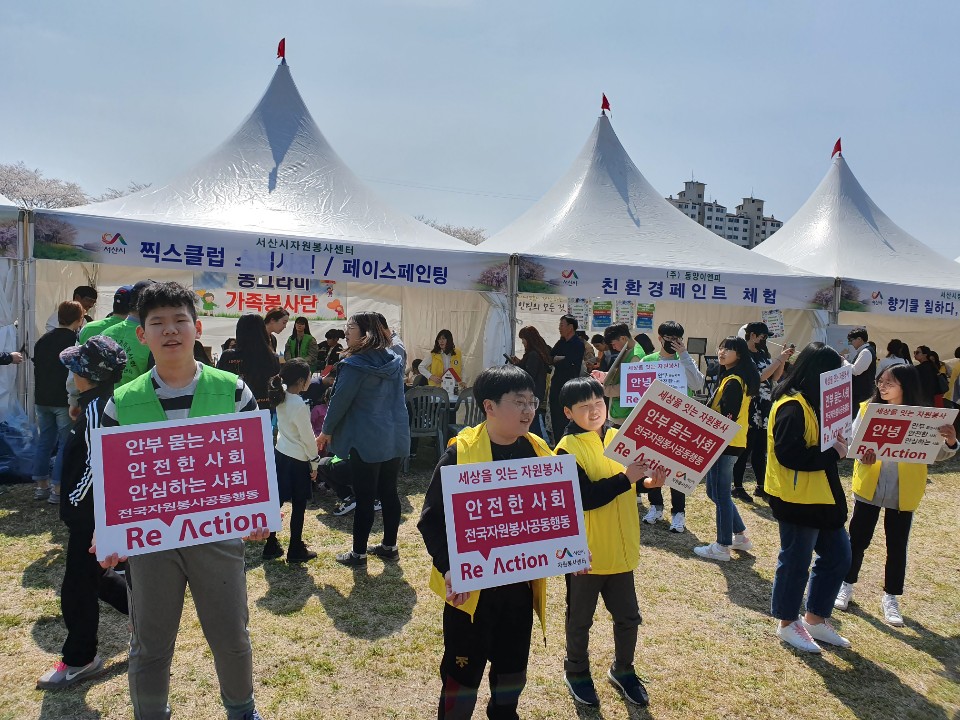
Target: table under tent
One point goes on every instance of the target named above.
(604, 234)
(885, 279)
(274, 217)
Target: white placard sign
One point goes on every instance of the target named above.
(177, 483)
(901, 433)
(836, 405)
(513, 520)
(673, 430)
(773, 319)
(635, 378)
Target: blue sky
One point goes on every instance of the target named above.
(496, 98)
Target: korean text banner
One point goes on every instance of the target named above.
(863, 296)
(177, 483)
(672, 430)
(230, 296)
(901, 433)
(84, 238)
(574, 278)
(513, 520)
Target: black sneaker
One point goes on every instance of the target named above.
(345, 506)
(351, 559)
(760, 492)
(299, 553)
(629, 684)
(272, 549)
(383, 552)
(741, 494)
(581, 688)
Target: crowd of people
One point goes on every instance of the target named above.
(140, 364)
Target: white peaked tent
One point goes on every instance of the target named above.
(276, 199)
(879, 268)
(602, 231)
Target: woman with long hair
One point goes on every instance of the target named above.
(444, 356)
(537, 362)
(252, 358)
(807, 500)
(739, 381)
(895, 487)
(301, 344)
(276, 321)
(897, 354)
(367, 424)
(295, 454)
(941, 379)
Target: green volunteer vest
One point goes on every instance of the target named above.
(137, 401)
(97, 327)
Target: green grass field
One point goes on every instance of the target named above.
(334, 643)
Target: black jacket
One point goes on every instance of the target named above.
(52, 388)
(76, 493)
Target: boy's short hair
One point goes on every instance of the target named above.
(860, 332)
(68, 312)
(614, 331)
(670, 328)
(579, 390)
(495, 382)
(598, 339)
(85, 291)
(165, 294)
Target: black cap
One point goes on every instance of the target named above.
(121, 299)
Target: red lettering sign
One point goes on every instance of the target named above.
(886, 431)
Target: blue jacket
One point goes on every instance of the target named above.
(367, 412)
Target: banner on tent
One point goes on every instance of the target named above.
(645, 316)
(646, 285)
(580, 308)
(862, 296)
(624, 312)
(8, 231)
(230, 296)
(61, 236)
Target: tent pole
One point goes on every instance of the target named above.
(513, 285)
(28, 288)
(835, 310)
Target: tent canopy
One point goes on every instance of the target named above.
(278, 174)
(603, 211)
(842, 233)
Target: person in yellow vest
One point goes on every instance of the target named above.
(179, 387)
(895, 487)
(613, 537)
(807, 500)
(494, 624)
(739, 380)
(444, 356)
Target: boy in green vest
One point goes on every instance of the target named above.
(177, 388)
(613, 537)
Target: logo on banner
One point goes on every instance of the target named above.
(569, 277)
(110, 241)
(876, 298)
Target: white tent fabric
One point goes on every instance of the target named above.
(274, 181)
(842, 233)
(9, 295)
(604, 220)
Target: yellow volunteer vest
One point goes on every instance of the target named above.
(613, 531)
(473, 446)
(802, 487)
(740, 439)
(912, 479)
(436, 365)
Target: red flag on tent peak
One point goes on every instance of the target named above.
(604, 104)
(836, 149)
(282, 49)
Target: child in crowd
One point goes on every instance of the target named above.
(96, 366)
(613, 536)
(494, 624)
(296, 455)
(176, 388)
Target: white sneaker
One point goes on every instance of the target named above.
(654, 514)
(678, 523)
(796, 634)
(741, 542)
(713, 551)
(824, 632)
(891, 610)
(844, 596)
